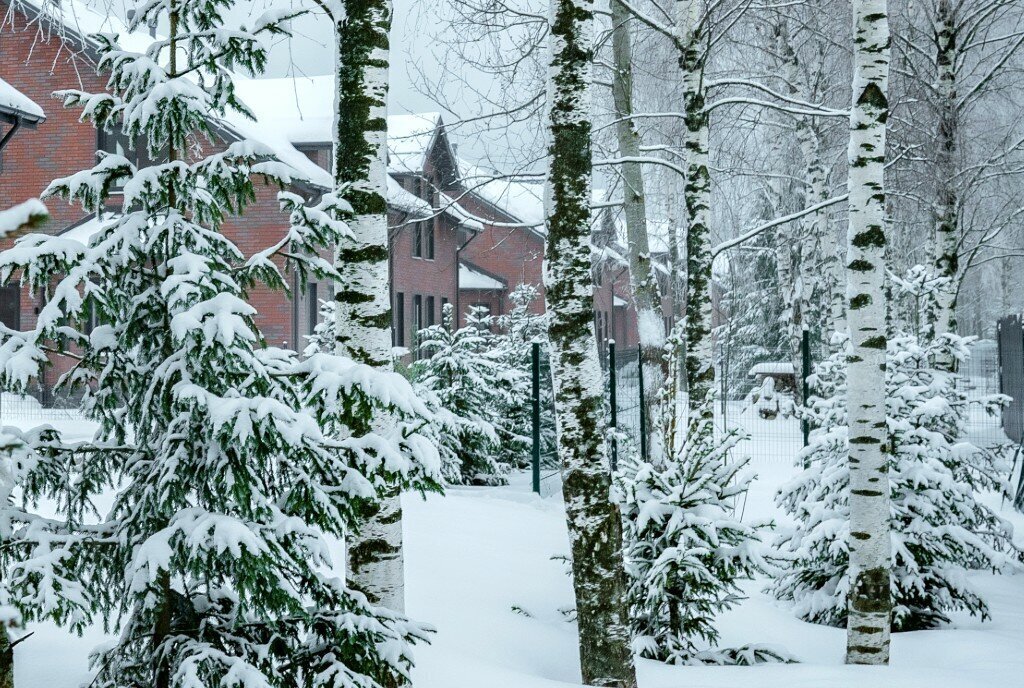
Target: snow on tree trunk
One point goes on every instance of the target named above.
(646, 299)
(870, 603)
(595, 529)
(947, 221)
(700, 369)
(363, 315)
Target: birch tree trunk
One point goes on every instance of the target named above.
(700, 368)
(595, 528)
(6, 660)
(646, 299)
(947, 224)
(363, 323)
(870, 602)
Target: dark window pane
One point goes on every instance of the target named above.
(398, 336)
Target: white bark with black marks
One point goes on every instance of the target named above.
(595, 528)
(363, 315)
(870, 603)
(644, 285)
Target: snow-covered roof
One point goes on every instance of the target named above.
(620, 302)
(301, 110)
(77, 20)
(473, 278)
(452, 208)
(772, 368)
(519, 198)
(15, 103)
(85, 230)
(410, 138)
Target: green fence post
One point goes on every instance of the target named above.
(643, 407)
(805, 423)
(536, 417)
(614, 399)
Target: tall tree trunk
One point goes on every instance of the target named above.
(595, 528)
(363, 323)
(700, 365)
(6, 660)
(646, 299)
(947, 209)
(870, 602)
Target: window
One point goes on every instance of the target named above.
(428, 240)
(417, 323)
(10, 306)
(398, 336)
(312, 307)
(423, 240)
(430, 311)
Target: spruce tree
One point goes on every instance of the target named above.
(462, 372)
(687, 548)
(518, 330)
(213, 565)
(940, 529)
(13, 445)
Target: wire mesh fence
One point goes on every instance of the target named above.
(759, 396)
(41, 407)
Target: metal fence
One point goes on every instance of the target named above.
(33, 409)
(1010, 367)
(760, 398)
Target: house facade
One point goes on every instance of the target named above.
(453, 239)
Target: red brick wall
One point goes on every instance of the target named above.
(63, 145)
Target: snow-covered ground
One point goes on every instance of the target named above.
(485, 567)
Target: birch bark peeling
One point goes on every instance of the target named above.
(595, 528)
(363, 323)
(870, 603)
(646, 298)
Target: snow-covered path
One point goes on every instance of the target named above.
(479, 552)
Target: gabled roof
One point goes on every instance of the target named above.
(301, 109)
(16, 105)
(522, 200)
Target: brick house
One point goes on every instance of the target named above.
(17, 112)
(425, 243)
(510, 248)
(39, 56)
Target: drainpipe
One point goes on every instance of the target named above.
(10, 133)
(458, 287)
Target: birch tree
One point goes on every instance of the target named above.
(212, 563)
(595, 529)
(644, 286)
(363, 301)
(958, 136)
(870, 602)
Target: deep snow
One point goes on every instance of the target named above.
(477, 555)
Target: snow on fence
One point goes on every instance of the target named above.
(24, 409)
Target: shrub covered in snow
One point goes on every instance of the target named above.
(462, 372)
(940, 529)
(687, 548)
